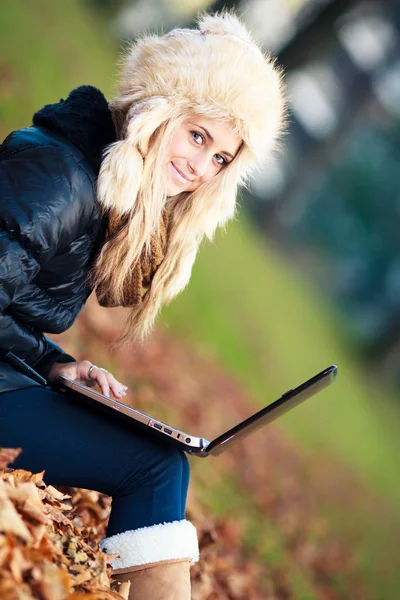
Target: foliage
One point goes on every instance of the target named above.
(300, 524)
(44, 550)
(49, 545)
(351, 215)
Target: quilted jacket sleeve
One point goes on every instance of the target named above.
(17, 268)
(35, 218)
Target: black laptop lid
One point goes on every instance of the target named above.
(286, 402)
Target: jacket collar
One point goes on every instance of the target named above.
(84, 119)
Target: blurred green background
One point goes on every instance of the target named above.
(308, 274)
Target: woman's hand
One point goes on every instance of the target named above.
(88, 374)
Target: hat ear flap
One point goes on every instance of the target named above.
(121, 169)
(119, 177)
(144, 118)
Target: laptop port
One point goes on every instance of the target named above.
(157, 426)
(169, 431)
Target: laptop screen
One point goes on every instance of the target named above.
(286, 402)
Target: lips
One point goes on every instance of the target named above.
(180, 175)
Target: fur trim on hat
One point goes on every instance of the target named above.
(121, 171)
(216, 71)
(167, 541)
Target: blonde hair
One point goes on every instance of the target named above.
(151, 105)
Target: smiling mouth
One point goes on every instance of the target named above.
(181, 176)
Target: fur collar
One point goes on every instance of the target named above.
(84, 119)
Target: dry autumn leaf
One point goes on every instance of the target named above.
(42, 553)
(8, 455)
(10, 520)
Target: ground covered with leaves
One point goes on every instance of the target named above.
(49, 544)
(45, 550)
(261, 509)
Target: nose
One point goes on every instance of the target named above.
(199, 164)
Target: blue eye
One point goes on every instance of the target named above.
(196, 135)
(220, 159)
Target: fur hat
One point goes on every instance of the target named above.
(215, 71)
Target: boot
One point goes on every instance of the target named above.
(166, 580)
(154, 560)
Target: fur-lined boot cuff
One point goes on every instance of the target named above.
(167, 541)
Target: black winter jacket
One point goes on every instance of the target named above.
(50, 227)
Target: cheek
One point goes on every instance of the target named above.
(179, 146)
(212, 171)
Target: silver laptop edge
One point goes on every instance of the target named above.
(200, 446)
(166, 431)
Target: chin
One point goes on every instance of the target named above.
(173, 190)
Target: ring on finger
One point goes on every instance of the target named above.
(91, 369)
(104, 370)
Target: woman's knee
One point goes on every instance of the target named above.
(152, 487)
(148, 462)
(185, 468)
(172, 466)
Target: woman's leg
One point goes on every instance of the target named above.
(162, 478)
(80, 446)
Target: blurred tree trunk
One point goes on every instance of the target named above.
(316, 31)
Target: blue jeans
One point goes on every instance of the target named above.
(80, 446)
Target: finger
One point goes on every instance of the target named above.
(86, 371)
(102, 381)
(84, 366)
(118, 389)
(88, 374)
(106, 381)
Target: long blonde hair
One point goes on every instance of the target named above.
(216, 72)
(192, 215)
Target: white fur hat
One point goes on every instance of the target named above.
(215, 71)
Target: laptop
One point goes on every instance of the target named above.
(199, 446)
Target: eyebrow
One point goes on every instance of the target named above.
(210, 137)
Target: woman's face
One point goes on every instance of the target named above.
(200, 149)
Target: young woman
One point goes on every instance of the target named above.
(117, 198)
